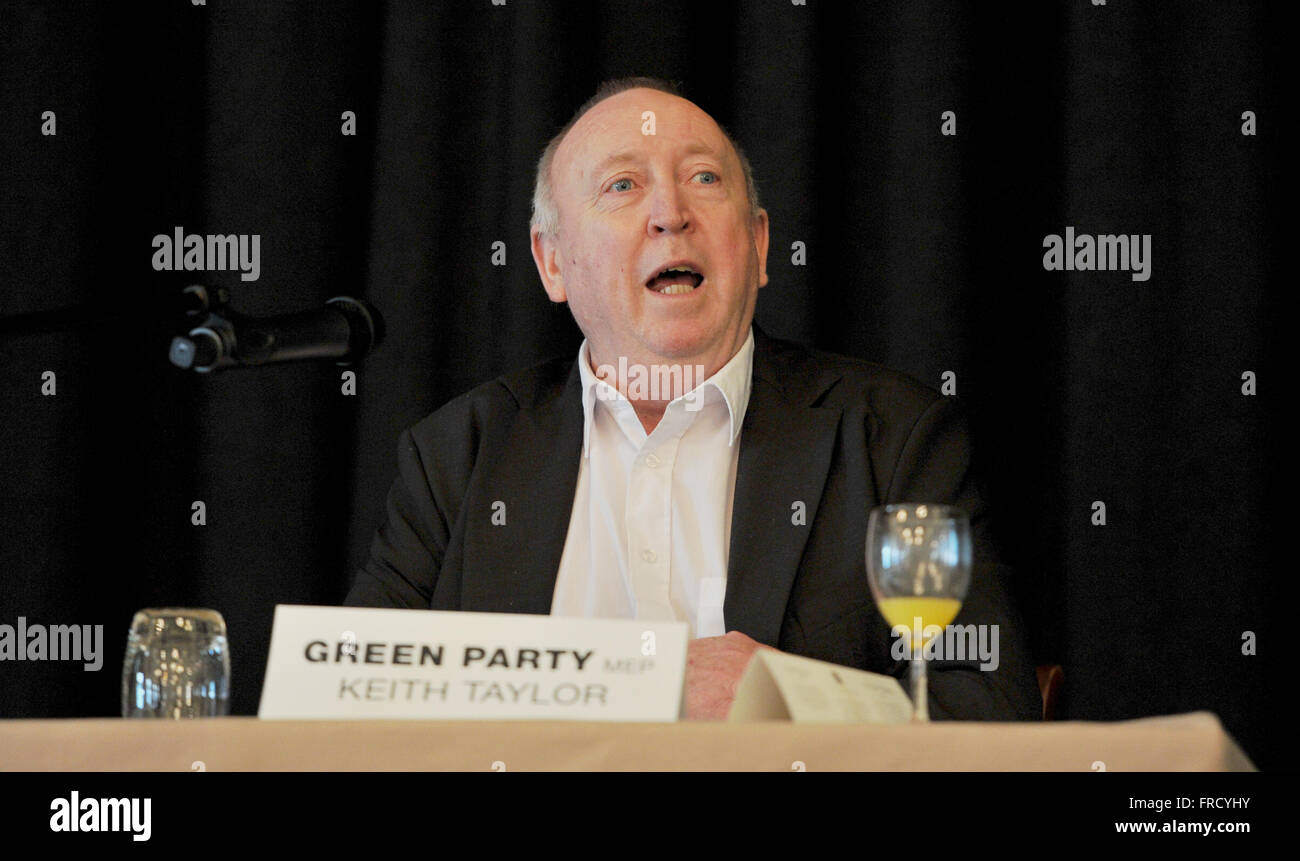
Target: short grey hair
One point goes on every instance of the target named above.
(546, 219)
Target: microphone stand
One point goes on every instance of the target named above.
(192, 302)
(219, 337)
(343, 333)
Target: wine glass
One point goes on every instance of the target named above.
(177, 665)
(918, 567)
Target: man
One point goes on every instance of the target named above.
(734, 495)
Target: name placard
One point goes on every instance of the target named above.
(350, 663)
(781, 686)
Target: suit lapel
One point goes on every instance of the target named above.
(785, 453)
(516, 564)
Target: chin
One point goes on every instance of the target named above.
(682, 340)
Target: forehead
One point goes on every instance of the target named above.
(614, 127)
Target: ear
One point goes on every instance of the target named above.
(546, 254)
(760, 245)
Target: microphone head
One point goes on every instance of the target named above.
(181, 352)
(199, 351)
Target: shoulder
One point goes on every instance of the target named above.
(918, 438)
(497, 402)
(828, 379)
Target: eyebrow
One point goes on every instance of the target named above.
(611, 160)
(624, 156)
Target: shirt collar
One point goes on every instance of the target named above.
(732, 381)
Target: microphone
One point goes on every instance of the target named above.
(344, 331)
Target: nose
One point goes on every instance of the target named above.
(668, 214)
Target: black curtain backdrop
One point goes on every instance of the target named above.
(924, 252)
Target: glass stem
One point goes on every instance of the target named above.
(920, 694)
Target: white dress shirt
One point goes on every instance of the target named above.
(651, 525)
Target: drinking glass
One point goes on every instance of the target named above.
(918, 567)
(177, 665)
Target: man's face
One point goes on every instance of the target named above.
(630, 206)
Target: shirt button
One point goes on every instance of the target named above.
(652, 460)
(648, 555)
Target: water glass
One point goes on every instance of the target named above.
(177, 665)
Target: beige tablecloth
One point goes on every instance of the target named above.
(1190, 742)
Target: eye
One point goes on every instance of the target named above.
(620, 185)
(707, 177)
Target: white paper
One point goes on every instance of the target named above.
(350, 663)
(780, 686)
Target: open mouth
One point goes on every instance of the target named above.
(675, 280)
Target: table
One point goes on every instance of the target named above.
(1188, 742)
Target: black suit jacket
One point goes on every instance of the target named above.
(838, 434)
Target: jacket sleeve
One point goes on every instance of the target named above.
(407, 551)
(935, 466)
